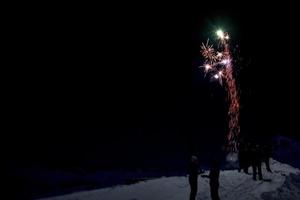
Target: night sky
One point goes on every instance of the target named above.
(85, 84)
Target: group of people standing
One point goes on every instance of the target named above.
(249, 155)
(213, 176)
(253, 155)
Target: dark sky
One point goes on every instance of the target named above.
(87, 83)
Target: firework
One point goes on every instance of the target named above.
(220, 34)
(220, 65)
(208, 52)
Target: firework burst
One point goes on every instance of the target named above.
(208, 52)
(219, 64)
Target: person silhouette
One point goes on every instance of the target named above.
(256, 159)
(214, 179)
(193, 177)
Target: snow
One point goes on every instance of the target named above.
(283, 183)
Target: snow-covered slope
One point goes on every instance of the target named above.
(283, 183)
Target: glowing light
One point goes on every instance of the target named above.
(220, 34)
(225, 61)
(216, 76)
(207, 67)
(227, 37)
(219, 54)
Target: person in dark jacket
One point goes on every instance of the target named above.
(214, 180)
(245, 157)
(256, 159)
(193, 176)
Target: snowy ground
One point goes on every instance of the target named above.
(283, 183)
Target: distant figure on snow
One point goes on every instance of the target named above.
(193, 176)
(214, 180)
(256, 159)
(244, 160)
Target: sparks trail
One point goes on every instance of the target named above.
(219, 65)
